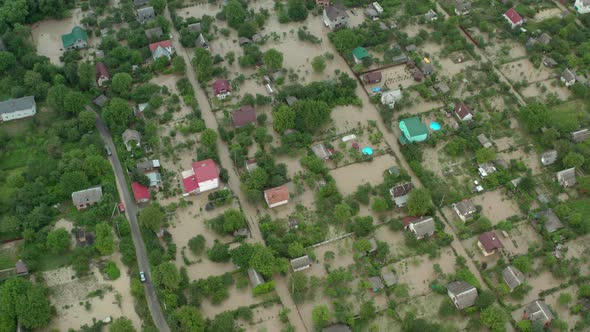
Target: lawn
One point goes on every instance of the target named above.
(581, 206)
(568, 116)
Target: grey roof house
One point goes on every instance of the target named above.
(140, 3)
(389, 279)
(513, 277)
(301, 263)
(401, 193)
(422, 227)
(335, 16)
(462, 8)
(131, 135)
(465, 209)
(154, 33)
(202, 42)
(145, 14)
(567, 177)
(462, 294)
(376, 284)
(581, 135)
(14, 109)
(538, 312)
(551, 222)
(321, 151)
(568, 77)
(484, 141)
(84, 198)
(256, 278)
(548, 157)
(195, 27)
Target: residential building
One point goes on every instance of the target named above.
(389, 98)
(102, 74)
(549, 62)
(372, 77)
(462, 7)
(377, 7)
(244, 115)
(87, 197)
(360, 53)
(145, 14)
(14, 109)
(75, 39)
(442, 87)
(549, 220)
(582, 6)
(130, 135)
(512, 277)
(140, 3)
(431, 15)
(195, 27)
(155, 178)
(484, 141)
(465, 209)
(462, 294)
(141, 193)
(426, 68)
(422, 227)
(154, 33)
(162, 49)
(371, 13)
(20, 268)
(463, 112)
(257, 38)
(489, 243)
(221, 89)
(513, 18)
(202, 42)
(580, 135)
(301, 263)
(276, 196)
(256, 278)
(413, 130)
(538, 312)
(376, 284)
(251, 164)
(401, 193)
(148, 166)
(548, 157)
(389, 278)
(321, 151)
(485, 169)
(322, 3)
(568, 77)
(567, 177)
(203, 176)
(335, 16)
(244, 41)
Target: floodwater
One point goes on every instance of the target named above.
(418, 271)
(348, 178)
(237, 298)
(496, 206)
(525, 70)
(420, 105)
(547, 13)
(540, 90)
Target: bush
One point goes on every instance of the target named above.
(112, 270)
(197, 244)
(264, 288)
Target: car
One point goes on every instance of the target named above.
(108, 150)
(142, 276)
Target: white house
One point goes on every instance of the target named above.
(335, 17)
(14, 109)
(582, 6)
(390, 97)
(568, 77)
(203, 176)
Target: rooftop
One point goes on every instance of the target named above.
(490, 241)
(277, 194)
(18, 104)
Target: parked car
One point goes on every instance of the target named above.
(142, 277)
(108, 150)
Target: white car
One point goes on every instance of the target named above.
(142, 276)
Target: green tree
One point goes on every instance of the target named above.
(86, 120)
(295, 250)
(112, 270)
(485, 155)
(342, 212)
(494, 318)
(233, 220)
(524, 325)
(273, 60)
(284, 118)
(263, 260)
(167, 275)
(362, 226)
(105, 241)
(203, 63)
(345, 40)
(159, 6)
(298, 286)
(87, 76)
(122, 324)
(379, 205)
(368, 311)
(74, 102)
(24, 302)
(419, 202)
(73, 181)
(178, 65)
(197, 244)
(58, 241)
(118, 114)
(219, 252)
(7, 62)
(152, 217)
(189, 319)
(56, 96)
(534, 116)
(362, 246)
(121, 84)
(320, 315)
(234, 13)
(318, 64)
(311, 115)
(565, 299)
(241, 255)
(573, 159)
(485, 299)
(209, 138)
(35, 85)
(14, 11)
(296, 10)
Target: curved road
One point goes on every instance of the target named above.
(131, 212)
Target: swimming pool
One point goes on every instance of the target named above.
(435, 126)
(367, 151)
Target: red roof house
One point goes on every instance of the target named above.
(141, 193)
(463, 112)
(372, 77)
(203, 176)
(102, 74)
(162, 48)
(276, 196)
(243, 116)
(513, 18)
(221, 89)
(489, 243)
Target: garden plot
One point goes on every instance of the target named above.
(563, 311)
(419, 106)
(531, 159)
(578, 249)
(385, 323)
(524, 69)
(539, 283)
(199, 10)
(394, 78)
(427, 307)
(169, 81)
(520, 238)
(343, 256)
(347, 118)
(395, 241)
(540, 90)
(413, 29)
(348, 178)
(417, 272)
(475, 253)
(546, 14)
(431, 50)
(69, 293)
(496, 206)
(504, 50)
(293, 164)
(450, 68)
(306, 198)
(266, 319)
(237, 298)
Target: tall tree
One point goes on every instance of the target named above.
(189, 319)
(74, 102)
(419, 202)
(87, 76)
(121, 84)
(263, 260)
(234, 13)
(122, 324)
(167, 275)
(273, 60)
(105, 241)
(58, 241)
(296, 10)
(118, 114)
(14, 11)
(152, 217)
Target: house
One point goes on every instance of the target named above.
(221, 89)
(463, 112)
(337, 327)
(372, 77)
(102, 74)
(580, 135)
(243, 116)
(131, 135)
(538, 312)
(162, 48)
(549, 62)
(376, 284)
(377, 7)
(411, 48)
(426, 68)
(360, 53)
(75, 39)
(568, 77)
(389, 98)
(155, 178)
(544, 39)
(301, 263)
(244, 41)
(140, 3)
(462, 294)
(87, 197)
(251, 164)
(431, 15)
(100, 101)
(550, 221)
(335, 16)
(14, 109)
(422, 227)
(442, 87)
(202, 42)
(582, 6)
(321, 151)
(512, 277)
(195, 27)
(148, 166)
(145, 14)
(485, 169)
(389, 279)
(140, 192)
(140, 108)
(513, 18)
(203, 176)
(399, 59)
(322, 3)
(393, 170)
(256, 278)
(401, 193)
(373, 248)
(489, 243)
(276, 196)
(465, 209)
(548, 157)
(462, 8)
(413, 130)
(371, 13)
(567, 177)
(484, 141)
(154, 33)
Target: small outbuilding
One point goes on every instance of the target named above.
(462, 294)
(512, 277)
(301, 263)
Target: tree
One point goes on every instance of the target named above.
(534, 116)
(87, 76)
(152, 217)
(298, 286)
(573, 159)
(35, 85)
(311, 115)
(263, 260)
(296, 10)
(368, 311)
(320, 316)
(484, 300)
(485, 155)
(167, 275)
(345, 40)
(14, 11)
(419, 202)
(523, 263)
(159, 6)
(241, 255)
(203, 65)
(73, 181)
(178, 65)
(494, 318)
(209, 138)
(273, 60)
(233, 220)
(86, 120)
(197, 244)
(7, 62)
(118, 114)
(362, 226)
(234, 13)
(189, 319)
(524, 325)
(219, 252)
(564, 299)
(105, 242)
(58, 241)
(379, 205)
(74, 102)
(295, 250)
(284, 118)
(318, 64)
(112, 270)
(24, 302)
(342, 212)
(122, 324)
(56, 96)
(121, 84)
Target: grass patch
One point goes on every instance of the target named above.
(52, 262)
(581, 206)
(6, 261)
(567, 117)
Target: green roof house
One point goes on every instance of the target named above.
(76, 39)
(359, 54)
(413, 130)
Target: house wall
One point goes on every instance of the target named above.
(208, 185)
(223, 95)
(512, 25)
(483, 251)
(102, 79)
(19, 114)
(275, 204)
(336, 23)
(462, 217)
(581, 8)
(302, 268)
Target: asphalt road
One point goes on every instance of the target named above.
(131, 212)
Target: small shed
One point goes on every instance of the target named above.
(376, 284)
(301, 263)
(256, 278)
(389, 278)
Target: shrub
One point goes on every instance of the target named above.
(112, 270)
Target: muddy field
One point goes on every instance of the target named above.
(496, 206)
(531, 159)
(265, 319)
(539, 283)
(547, 13)
(503, 51)
(419, 105)
(450, 68)
(520, 238)
(524, 69)
(540, 90)
(427, 307)
(348, 178)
